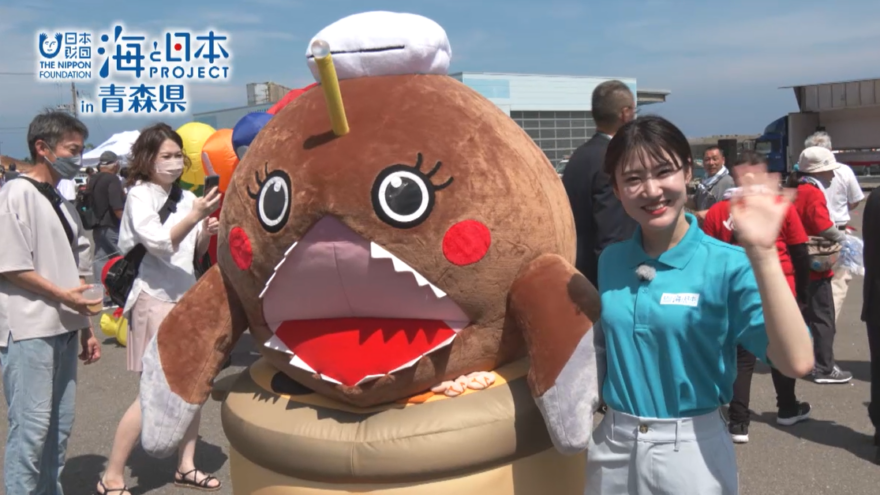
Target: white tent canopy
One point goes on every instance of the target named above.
(120, 143)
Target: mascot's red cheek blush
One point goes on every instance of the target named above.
(466, 242)
(240, 248)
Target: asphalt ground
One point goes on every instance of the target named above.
(832, 453)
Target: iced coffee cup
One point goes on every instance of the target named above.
(95, 292)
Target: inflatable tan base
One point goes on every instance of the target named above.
(288, 440)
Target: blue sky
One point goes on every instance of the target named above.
(723, 61)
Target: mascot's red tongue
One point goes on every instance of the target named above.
(351, 311)
(350, 350)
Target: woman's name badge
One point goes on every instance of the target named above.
(680, 299)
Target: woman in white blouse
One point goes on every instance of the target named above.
(165, 274)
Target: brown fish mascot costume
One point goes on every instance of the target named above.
(402, 252)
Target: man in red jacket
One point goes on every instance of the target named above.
(816, 167)
(792, 249)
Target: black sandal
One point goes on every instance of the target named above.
(121, 491)
(201, 485)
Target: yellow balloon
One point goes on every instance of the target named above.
(122, 334)
(194, 135)
(108, 325)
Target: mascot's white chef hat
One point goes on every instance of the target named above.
(384, 44)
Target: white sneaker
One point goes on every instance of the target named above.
(739, 433)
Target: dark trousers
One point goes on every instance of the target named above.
(874, 345)
(819, 315)
(738, 413)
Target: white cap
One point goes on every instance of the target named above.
(817, 159)
(384, 44)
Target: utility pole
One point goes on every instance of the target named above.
(73, 91)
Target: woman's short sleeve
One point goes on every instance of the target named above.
(746, 312)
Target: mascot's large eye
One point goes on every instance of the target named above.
(403, 196)
(273, 200)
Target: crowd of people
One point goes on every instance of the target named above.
(615, 207)
(47, 261)
(769, 299)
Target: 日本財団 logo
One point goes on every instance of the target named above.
(136, 73)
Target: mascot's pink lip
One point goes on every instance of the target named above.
(347, 309)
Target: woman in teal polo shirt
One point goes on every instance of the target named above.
(675, 305)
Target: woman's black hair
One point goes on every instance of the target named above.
(146, 148)
(652, 135)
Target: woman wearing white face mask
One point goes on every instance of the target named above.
(165, 274)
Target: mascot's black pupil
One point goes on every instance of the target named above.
(273, 204)
(273, 199)
(403, 196)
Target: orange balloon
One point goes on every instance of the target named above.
(219, 158)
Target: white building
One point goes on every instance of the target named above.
(554, 110)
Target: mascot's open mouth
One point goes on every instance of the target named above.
(350, 311)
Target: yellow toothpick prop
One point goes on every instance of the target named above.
(330, 84)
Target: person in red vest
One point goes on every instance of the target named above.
(792, 248)
(816, 167)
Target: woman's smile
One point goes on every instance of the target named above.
(657, 208)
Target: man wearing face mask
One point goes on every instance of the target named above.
(43, 265)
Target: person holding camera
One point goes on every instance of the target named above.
(165, 274)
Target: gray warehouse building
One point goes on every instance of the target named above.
(553, 110)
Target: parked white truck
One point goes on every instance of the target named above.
(848, 111)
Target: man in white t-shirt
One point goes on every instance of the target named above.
(843, 195)
(67, 189)
(43, 309)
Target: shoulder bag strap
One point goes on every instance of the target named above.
(170, 205)
(54, 198)
(137, 253)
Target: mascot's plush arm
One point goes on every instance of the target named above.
(555, 307)
(180, 364)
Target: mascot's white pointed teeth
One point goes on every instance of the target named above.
(328, 379)
(299, 363)
(368, 379)
(269, 282)
(416, 360)
(377, 251)
(276, 344)
(411, 363)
